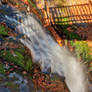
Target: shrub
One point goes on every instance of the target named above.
(69, 35)
(82, 50)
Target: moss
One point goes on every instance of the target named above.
(11, 84)
(18, 59)
(2, 69)
(20, 50)
(3, 30)
(28, 65)
(21, 59)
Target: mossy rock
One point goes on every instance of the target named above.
(2, 69)
(20, 50)
(20, 59)
(11, 84)
(9, 57)
(3, 30)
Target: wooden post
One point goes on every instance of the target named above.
(40, 4)
(90, 2)
(49, 14)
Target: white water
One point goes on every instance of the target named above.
(49, 54)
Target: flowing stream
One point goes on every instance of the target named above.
(45, 51)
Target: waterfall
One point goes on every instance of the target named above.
(45, 51)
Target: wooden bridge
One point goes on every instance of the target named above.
(53, 16)
(73, 14)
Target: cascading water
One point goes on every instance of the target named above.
(45, 50)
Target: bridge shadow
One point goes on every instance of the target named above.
(82, 31)
(70, 22)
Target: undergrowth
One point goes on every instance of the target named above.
(82, 50)
(69, 35)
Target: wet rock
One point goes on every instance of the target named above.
(24, 88)
(1, 40)
(25, 81)
(19, 78)
(38, 91)
(6, 66)
(4, 90)
(1, 75)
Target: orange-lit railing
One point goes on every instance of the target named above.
(33, 10)
(81, 13)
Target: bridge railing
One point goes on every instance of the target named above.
(73, 14)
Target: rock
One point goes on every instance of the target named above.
(1, 75)
(24, 88)
(19, 78)
(25, 81)
(1, 40)
(6, 66)
(4, 90)
(38, 91)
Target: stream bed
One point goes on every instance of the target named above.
(13, 83)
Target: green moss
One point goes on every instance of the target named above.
(11, 84)
(20, 50)
(28, 65)
(2, 69)
(19, 59)
(3, 30)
